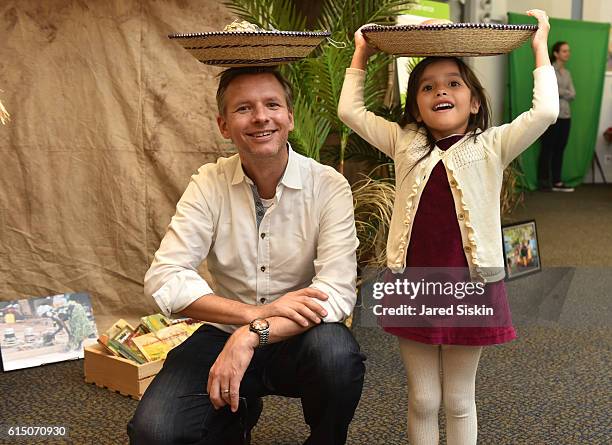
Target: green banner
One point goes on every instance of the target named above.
(429, 9)
(588, 42)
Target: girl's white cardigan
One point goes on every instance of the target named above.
(474, 169)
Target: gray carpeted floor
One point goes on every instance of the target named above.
(574, 229)
(550, 386)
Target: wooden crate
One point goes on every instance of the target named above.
(118, 374)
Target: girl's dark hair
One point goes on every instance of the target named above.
(480, 120)
(555, 49)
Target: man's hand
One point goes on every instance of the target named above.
(228, 370)
(298, 306)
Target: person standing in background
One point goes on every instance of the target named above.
(555, 138)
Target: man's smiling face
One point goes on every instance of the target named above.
(256, 116)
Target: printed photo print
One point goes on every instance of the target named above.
(521, 250)
(43, 330)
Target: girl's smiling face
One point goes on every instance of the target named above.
(444, 100)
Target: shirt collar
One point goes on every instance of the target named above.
(292, 176)
(239, 175)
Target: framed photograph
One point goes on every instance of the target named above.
(521, 249)
(36, 331)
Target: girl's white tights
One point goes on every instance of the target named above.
(441, 373)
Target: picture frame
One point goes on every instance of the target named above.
(521, 249)
(40, 330)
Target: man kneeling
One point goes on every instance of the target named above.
(278, 233)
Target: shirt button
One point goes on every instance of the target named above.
(263, 235)
(406, 223)
(453, 182)
(467, 248)
(262, 300)
(263, 268)
(461, 216)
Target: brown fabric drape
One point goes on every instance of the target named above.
(109, 120)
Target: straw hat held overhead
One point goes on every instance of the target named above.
(443, 38)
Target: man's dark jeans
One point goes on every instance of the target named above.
(323, 367)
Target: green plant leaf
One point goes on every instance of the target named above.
(310, 130)
(346, 16)
(373, 203)
(269, 14)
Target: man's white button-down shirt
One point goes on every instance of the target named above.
(306, 238)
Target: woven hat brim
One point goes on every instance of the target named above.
(456, 39)
(235, 48)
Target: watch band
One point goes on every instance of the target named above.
(264, 336)
(262, 328)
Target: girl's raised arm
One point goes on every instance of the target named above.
(539, 42)
(352, 110)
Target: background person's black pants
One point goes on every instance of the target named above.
(553, 141)
(323, 366)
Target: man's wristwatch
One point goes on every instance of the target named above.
(262, 328)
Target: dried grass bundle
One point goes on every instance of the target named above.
(511, 194)
(373, 202)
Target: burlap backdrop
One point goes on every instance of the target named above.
(109, 120)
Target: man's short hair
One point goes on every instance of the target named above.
(226, 77)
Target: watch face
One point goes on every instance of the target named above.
(260, 324)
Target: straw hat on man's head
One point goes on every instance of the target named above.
(245, 44)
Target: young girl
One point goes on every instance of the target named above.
(449, 168)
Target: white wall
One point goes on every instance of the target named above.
(597, 10)
(560, 9)
(601, 11)
(493, 74)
